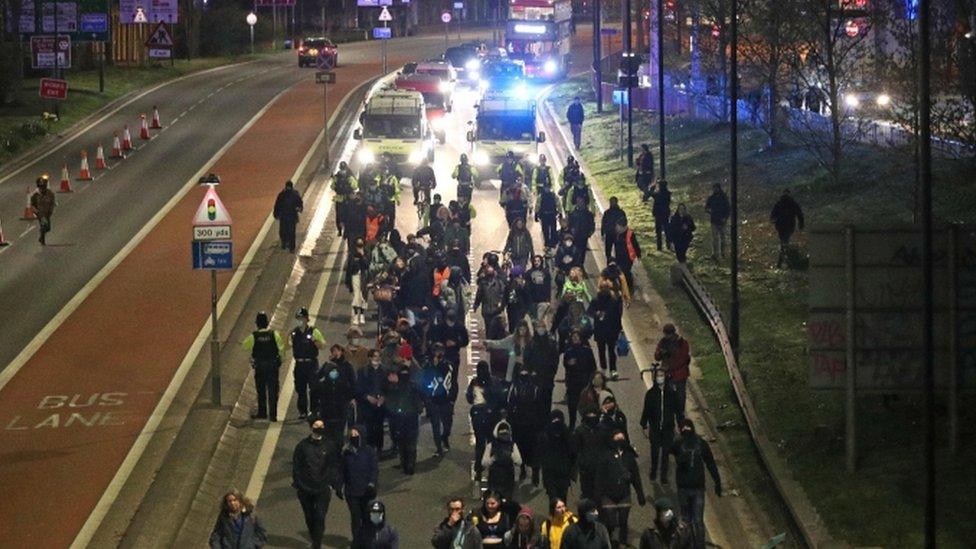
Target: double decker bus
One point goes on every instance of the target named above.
(538, 34)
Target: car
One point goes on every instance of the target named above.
(465, 61)
(312, 48)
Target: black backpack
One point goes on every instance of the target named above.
(464, 173)
(508, 172)
(547, 204)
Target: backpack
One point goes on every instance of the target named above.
(502, 469)
(688, 460)
(548, 204)
(464, 173)
(342, 184)
(508, 172)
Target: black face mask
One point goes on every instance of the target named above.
(591, 420)
(355, 441)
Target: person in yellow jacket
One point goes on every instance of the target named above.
(541, 176)
(466, 176)
(388, 185)
(553, 527)
(343, 185)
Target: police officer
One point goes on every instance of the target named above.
(510, 172)
(466, 175)
(541, 175)
(388, 183)
(344, 184)
(305, 344)
(266, 347)
(286, 209)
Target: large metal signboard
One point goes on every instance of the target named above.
(148, 11)
(79, 19)
(45, 49)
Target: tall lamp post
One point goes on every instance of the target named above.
(734, 179)
(251, 21)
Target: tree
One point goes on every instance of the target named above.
(11, 65)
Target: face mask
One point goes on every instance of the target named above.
(666, 517)
(318, 433)
(354, 441)
(334, 375)
(376, 518)
(593, 517)
(620, 444)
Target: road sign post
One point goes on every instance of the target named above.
(385, 17)
(446, 18)
(52, 88)
(325, 78)
(160, 42)
(213, 250)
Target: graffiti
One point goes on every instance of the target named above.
(826, 334)
(828, 371)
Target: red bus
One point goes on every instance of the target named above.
(538, 33)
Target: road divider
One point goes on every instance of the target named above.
(100, 157)
(84, 172)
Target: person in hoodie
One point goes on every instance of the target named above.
(457, 256)
(335, 385)
(613, 215)
(501, 459)
(575, 320)
(360, 472)
(524, 535)
(538, 280)
(369, 394)
(580, 366)
(552, 529)
(568, 256)
(490, 296)
(612, 418)
(315, 474)
(415, 288)
(658, 422)
(692, 457)
(518, 302)
(402, 401)
(453, 335)
(590, 443)
(237, 526)
(589, 400)
(667, 532)
(588, 533)
(525, 415)
(519, 243)
(607, 311)
(483, 394)
(615, 477)
(542, 357)
(439, 388)
(376, 533)
(557, 456)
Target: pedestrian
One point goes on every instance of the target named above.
(360, 473)
(692, 456)
(491, 522)
(354, 224)
(538, 280)
(237, 526)
(490, 296)
(466, 176)
(682, 230)
(546, 214)
(667, 532)
(526, 419)
(485, 395)
(614, 215)
(456, 531)
(344, 185)
(628, 252)
(376, 533)
(658, 422)
(662, 212)
(575, 190)
(574, 115)
(314, 475)
(589, 400)
(612, 275)
(560, 518)
(557, 456)
(509, 172)
(580, 366)
(588, 533)
(402, 401)
(718, 208)
(644, 175)
(524, 535)
(542, 357)
(518, 246)
(571, 315)
(512, 348)
(582, 222)
(674, 354)
(575, 285)
(612, 418)
(357, 269)
(501, 459)
(335, 385)
(607, 311)
(439, 388)
(590, 442)
(356, 354)
(787, 217)
(541, 177)
(305, 342)
(266, 348)
(615, 477)
(454, 336)
(286, 209)
(518, 300)
(370, 381)
(42, 203)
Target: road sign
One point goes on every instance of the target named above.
(211, 211)
(382, 33)
(459, 5)
(44, 48)
(52, 88)
(213, 255)
(446, 17)
(325, 61)
(149, 11)
(160, 53)
(94, 22)
(609, 31)
(385, 15)
(214, 232)
(160, 37)
(325, 77)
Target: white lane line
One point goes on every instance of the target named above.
(138, 447)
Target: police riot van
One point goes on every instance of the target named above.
(504, 123)
(394, 122)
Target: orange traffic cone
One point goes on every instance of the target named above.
(3, 242)
(126, 139)
(100, 158)
(28, 209)
(117, 146)
(84, 174)
(65, 180)
(155, 125)
(144, 127)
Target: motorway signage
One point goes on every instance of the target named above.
(325, 61)
(260, 3)
(52, 88)
(382, 33)
(446, 17)
(149, 11)
(44, 48)
(211, 212)
(160, 37)
(374, 3)
(94, 22)
(459, 5)
(213, 255)
(211, 232)
(160, 53)
(325, 77)
(385, 15)
(80, 19)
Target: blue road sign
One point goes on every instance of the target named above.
(94, 22)
(213, 255)
(459, 5)
(620, 97)
(382, 33)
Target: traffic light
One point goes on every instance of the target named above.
(211, 209)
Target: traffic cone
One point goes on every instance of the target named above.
(100, 158)
(3, 242)
(117, 146)
(144, 128)
(65, 180)
(84, 174)
(155, 125)
(28, 209)
(126, 139)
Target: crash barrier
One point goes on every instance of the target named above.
(804, 513)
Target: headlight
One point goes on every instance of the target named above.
(472, 65)
(521, 91)
(481, 158)
(444, 87)
(313, 51)
(550, 66)
(852, 101)
(366, 157)
(439, 124)
(483, 85)
(416, 156)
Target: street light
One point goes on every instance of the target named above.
(252, 20)
(852, 101)
(883, 100)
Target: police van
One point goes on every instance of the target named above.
(504, 123)
(394, 122)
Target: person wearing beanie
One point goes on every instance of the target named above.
(588, 533)
(524, 535)
(590, 442)
(692, 456)
(667, 532)
(612, 418)
(402, 402)
(557, 456)
(360, 472)
(485, 395)
(615, 477)
(501, 459)
(376, 532)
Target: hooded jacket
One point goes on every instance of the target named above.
(315, 466)
(558, 461)
(242, 532)
(516, 539)
(378, 536)
(360, 468)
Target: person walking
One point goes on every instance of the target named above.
(590, 442)
(692, 456)
(376, 532)
(357, 271)
(306, 341)
(370, 381)
(344, 185)
(541, 177)
(335, 386)
(615, 477)
(42, 204)
(456, 531)
(644, 176)
(557, 456)
(787, 217)
(674, 354)
(286, 209)
(607, 311)
(439, 388)
(580, 366)
(682, 230)
(718, 208)
(403, 401)
(589, 400)
(510, 173)
(614, 215)
(547, 214)
(266, 347)
(575, 115)
(501, 459)
(484, 394)
(560, 518)
(524, 534)
(518, 245)
(667, 532)
(661, 210)
(490, 296)
(542, 357)
(466, 176)
(526, 419)
(658, 423)
(360, 473)
(237, 526)
(354, 224)
(315, 474)
(588, 533)
(627, 252)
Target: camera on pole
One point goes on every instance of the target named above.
(627, 73)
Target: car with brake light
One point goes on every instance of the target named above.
(466, 62)
(435, 80)
(504, 123)
(394, 122)
(505, 77)
(312, 48)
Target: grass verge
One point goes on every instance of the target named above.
(881, 504)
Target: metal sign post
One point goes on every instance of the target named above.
(326, 78)
(446, 18)
(385, 18)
